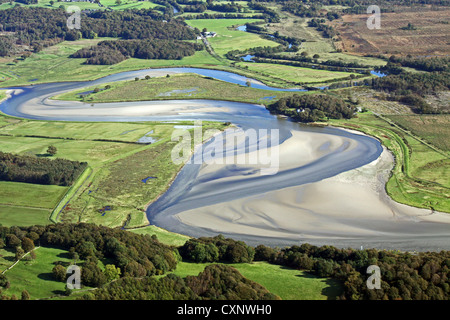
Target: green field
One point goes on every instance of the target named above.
(19, 194)
(35, 276)
(106, 159)
(94, 152)
(164, 236)
(175, 87)
(129, 132)
(288, 284)
(23, 216)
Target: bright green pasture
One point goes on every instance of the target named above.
(35, 276)
(228, 38)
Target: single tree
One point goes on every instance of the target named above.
(59, 272)
(25, 295)
(19, 253)
(51, 150)
(27, 244)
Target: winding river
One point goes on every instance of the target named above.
(328, 187)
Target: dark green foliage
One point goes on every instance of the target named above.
(39, 170)
(195, 250)
(92, 275)
(111, 52)
(425, 64)
(224, 282)
(411, 88)
(216, 249)
(135, 255)
(12, 241)
(59, 273)
(27, 244)
(42, 27)
(170, 287)
(309, 108)
(417, 83)
(7, 45)
(4, 283)
(215, 282)
(124, 248)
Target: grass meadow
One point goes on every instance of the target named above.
(180, 86)
(228, 38)
(35, 276)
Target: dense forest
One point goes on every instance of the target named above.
(38, 27)
(111, 52)
(39, 170)
(216, 249)
(310, 108)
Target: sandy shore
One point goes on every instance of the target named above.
(350, 205)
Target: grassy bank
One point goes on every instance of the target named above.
(420, 175)
(180, 86)
(295, 74)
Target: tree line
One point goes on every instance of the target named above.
(216, 249)
(114, 51)
(38, 27)
(30, 169)
(215, 282)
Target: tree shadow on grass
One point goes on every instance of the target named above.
(331, 291)
(43, 155)
(64, 255)
(9, 258)
(47, 276)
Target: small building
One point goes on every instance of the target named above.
(209, 34)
